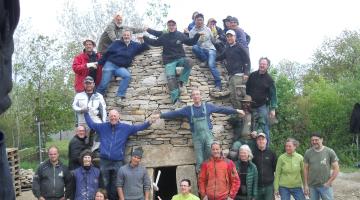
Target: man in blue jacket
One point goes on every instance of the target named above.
(198, 116)
(113, 136)
(118, 58)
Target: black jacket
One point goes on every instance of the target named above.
(6, 183)
(355, 119)
(261, 88)
(76, 146)
(49, 181)
(265, 162)
(237, 59)
(172, 43)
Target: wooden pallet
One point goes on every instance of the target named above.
(14, 166)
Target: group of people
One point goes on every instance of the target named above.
(250, 170)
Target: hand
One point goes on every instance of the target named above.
(277, 195)
(327, 184)
(140, 38)
(240, 112)
(146, 28)
(272, 114)
(306, 191)
(229, 198)
(205, 197)
(41, 198)
(253, 134)
(186, 30)
(245, 77)
(84, 110)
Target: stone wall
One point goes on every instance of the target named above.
(167, 143)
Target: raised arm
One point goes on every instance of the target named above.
(180, 113)
(154, 32)
(221, 109)
(153, 42)
(191, 41)
(91, 123)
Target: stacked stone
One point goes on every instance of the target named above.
(148, 92)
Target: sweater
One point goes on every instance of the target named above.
(237, 59)
(113, 137)
(261, 88)
(172, 43)
(198, 112)
(289, 171)
(121, 54)
(134, 181)
(76, 146)
(265, 162)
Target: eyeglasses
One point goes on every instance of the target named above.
(184, 186)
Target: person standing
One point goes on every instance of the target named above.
(52, 180)
(113, 137)
(185, 191)
(198, 116)
(76, 146)
(248, 174)
(289, 174)
(261, 87)
(85, 178)
(133, 181)
(218, 178)
(319, 161)
(265, 160)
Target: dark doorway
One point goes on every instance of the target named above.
(167, 182)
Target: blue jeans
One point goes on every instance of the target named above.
(109, 170)
(208, 55)
(326, 193)
(108, 71)
(297, 193)
(264, 112)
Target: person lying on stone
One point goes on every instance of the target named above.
(246, 128)
(118, 59)
(198, 116)
(173, 55)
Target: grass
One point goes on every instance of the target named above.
(349, 169)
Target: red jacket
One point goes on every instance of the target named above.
(218, 179)
(81, 71)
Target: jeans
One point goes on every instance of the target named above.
(208, 55)
(109, 170)
(326, 193)
(297, 193)
(264, 112)
(109, 70)
(265, 193)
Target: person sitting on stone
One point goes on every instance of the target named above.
(198, 116)
(86, 64)
(205, 50)
(241, 36)
(185, 191)
(118, 59)
(192, 24)
(86, 178)
(226, 23)
(173, 55)
(246, 128)
(113, 31)
(237, 66)
(218, 34)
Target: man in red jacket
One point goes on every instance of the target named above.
(218, 178)
(86, 64)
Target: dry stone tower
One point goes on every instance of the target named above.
(167, 144)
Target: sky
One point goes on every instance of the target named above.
(279, 29)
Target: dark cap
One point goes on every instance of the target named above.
(137, 152)
(171, 21)
(227, 19)
(247, 98)
(234, 19)
(88, 79)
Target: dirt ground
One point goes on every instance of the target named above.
(346, 187)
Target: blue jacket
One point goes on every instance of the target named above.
(121, 54)
(113, 138)
(198, 112)
(86, 183)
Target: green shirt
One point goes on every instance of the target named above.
(185, 197)
(289, 171)
(319, 165)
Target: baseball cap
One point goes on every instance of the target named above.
(171, 21)
(88, 79)
(261, 135)
(230, 32)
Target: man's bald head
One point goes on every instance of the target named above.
(114, 116)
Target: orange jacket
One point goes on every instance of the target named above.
(218, 179)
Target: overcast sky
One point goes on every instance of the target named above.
(279, 29)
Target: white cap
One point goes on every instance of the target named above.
(230, 32)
